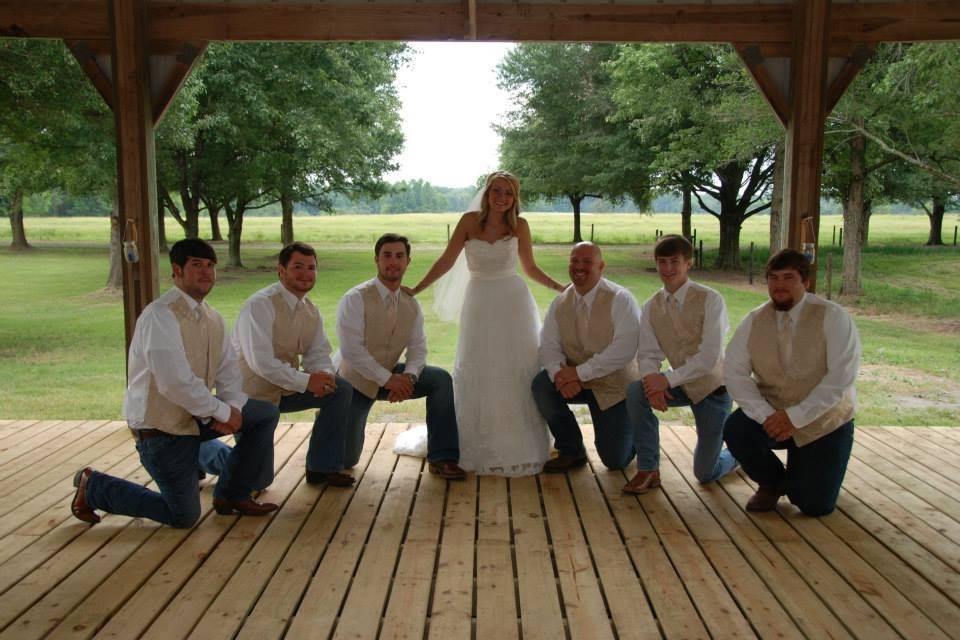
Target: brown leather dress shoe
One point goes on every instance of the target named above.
(563, 463)
(334, 479)
(448, 469)
(246, 507)
(643, 482)
(79, 506)
(765, 498)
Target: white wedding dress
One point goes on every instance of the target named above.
(501, 431)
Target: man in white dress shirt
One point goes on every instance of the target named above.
(284, 357)
(377, 321)
(791, 367)
(684, 323)
(179, 353)
(588, 349)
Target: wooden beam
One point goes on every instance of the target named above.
(634, 23)
(851, 68)
(765, 24)
(469, 19)
(753, 60)
(88, 62)
(136, 168)
(769, 50)
(187, 56)
(804, 139)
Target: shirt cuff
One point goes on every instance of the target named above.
(222, 414)
(585, 372)
(671, 377)
(552, 371)
(798, 418)
(301, 380)
(384, 377)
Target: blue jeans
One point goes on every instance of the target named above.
(814, 472)
(325, 453)
(613, 434)
(172, 462)
(443, 439)
(710, 460)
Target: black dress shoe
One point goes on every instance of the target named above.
(563, 463)
(246, 507)
(448, 469)
(79, 506)
(765, 498)
(334, 478)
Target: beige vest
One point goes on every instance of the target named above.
(293, 334)
(611, 388)
(783, 389)
(681, 342)
(202, 343)
(383, 342)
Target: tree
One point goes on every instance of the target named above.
(708, 129)
(559, 138)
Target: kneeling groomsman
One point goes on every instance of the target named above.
(285, 360)
(791, 367)
(179, 352)
(377, 321)
(684, 323)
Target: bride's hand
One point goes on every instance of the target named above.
(409, 291)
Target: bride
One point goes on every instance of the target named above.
(501, 430)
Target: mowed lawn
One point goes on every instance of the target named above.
(61, 336)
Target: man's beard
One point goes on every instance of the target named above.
(786, 305)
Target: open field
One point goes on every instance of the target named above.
(61, 336)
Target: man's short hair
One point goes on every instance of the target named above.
(673, 245)
(295, 247)
(183, 250)
(388, 238)
(789, 259)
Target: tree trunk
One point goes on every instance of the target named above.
(686, 210)
(936, 222)
(865, 226)
(853, 219)
(729, 257)
(235, 227)
(575, 200)
(776, 201)
(18, 237)
(286, 225)
(161, 229)
(115, 274)
(215, 234)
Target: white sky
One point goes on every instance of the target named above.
(450, 101)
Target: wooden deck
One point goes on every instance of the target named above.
(407, 555)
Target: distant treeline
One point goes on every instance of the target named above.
(414, 196)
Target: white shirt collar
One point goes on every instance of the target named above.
(190, 301)
(794, 311)
(680, 294)
(291, 299)
(386, 292)
(590, 296)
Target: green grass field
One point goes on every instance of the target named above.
(61, 336)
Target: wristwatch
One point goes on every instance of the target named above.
(413, 377)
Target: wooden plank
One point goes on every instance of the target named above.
(895, 21)
(931, 456)
(851, 68)
(186, 58)
(754, 62)
(583, 601)
(282, 594)
(622, 587)
(910, 584)
(87, 59)
(540, 613)
(170, 546)
(14, 427)
(939, 435)
(26, 481)
(11, 450)
(366, 601)
(496, 590)
(755, 599)
(321, 602)
(953, 433)
(451, 611)
(409, 601)
(916, 484)
(672, 604)
(136, 162)
(801, 602)
(899, 458)
(936, 449)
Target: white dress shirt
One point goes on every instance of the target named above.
(253, 336)
(350, 329)
(622, 349)
(157, 350)
(843, 363)
(715, 327)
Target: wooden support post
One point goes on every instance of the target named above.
(804, 141)
(136, 167)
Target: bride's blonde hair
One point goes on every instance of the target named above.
(514, 211)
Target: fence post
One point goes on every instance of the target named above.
(591, 232)
(750, 268)
(701, 251)
(954, 235)
(448, 232)
(841, 237)
(694, 241)
(833, 242)
(829, 276)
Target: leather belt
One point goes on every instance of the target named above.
(719, 391)
(145, 434)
